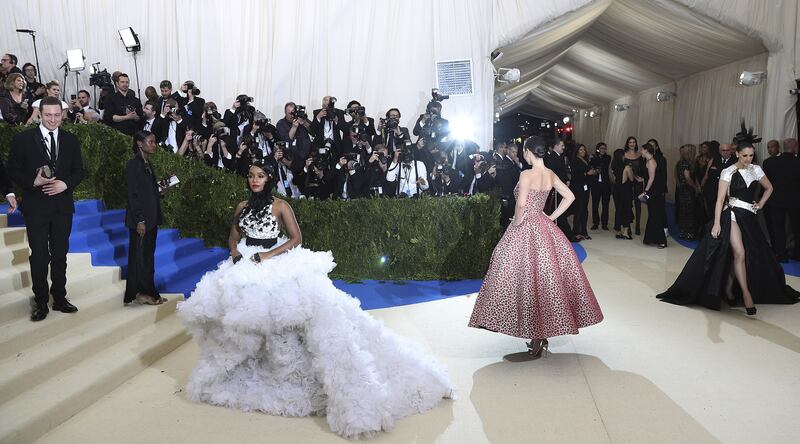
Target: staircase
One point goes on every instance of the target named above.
(52, 369)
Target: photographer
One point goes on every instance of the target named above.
(375, 173)
(359, 122)
(445, 181)
(123, 110)
(263, 132)
(391, 133)
(174, 128)
(166, 93)
(463, 162)
(347, 177)
(484, 172)
(153, 123)
(295, 129)
(239, 116)
(247, 153)
(406, 174)
(193, 146)
(218, 152)
(194, 105)
(506, 176)
(328, 123)
(311, 179)
(285, 164)
(80, 109)
(431, 125)
(208, 119)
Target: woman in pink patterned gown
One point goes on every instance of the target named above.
(535, 286)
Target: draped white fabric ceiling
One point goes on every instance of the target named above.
(613, 48)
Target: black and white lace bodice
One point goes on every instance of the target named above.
(259, 224)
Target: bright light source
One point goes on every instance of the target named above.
(461, 127)
(548, 125)
(591, 114)
(129, 39)
(665, 96)
(566, 120)
(507, 75)
(749, 78)
(75, 60)
(621, 107)
(383, 260)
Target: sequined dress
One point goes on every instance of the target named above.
(278, 337)
(535, 286)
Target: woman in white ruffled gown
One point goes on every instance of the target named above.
(276, 336)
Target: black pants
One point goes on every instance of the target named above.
(141, 265)
(580, 212)
(776, 220)
(638, 188)
(48, 237)
(507, 208)
(601, 194)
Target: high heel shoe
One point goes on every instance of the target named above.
(537, 346)
(751, 311)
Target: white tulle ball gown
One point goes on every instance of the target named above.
(279, 338)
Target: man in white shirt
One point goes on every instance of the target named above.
(410, 175)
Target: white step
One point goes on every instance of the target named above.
(80, 281)
(13, 236)
(21, 333)
(17, 277)
(15, 254)
(34, 365)
(35, 412)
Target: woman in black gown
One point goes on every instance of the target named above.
(633, 158)
(735, 243)
(653, 194)
(579, 185)
(623, 195)
(686, 191)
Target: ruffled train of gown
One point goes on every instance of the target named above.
(279, 338)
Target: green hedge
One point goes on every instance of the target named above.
(428, 238)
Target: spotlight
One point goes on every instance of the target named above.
(75, 60)
(496, 55)
(750, 78)
(621, 107)
(565, 120)
(507, 75)
(548, 125)
(665, 96)
(130, 39)
(592, 114)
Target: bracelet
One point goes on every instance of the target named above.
(256, 258)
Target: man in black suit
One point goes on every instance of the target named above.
(783, 170)
(47, 203)
(557, 161)
(193, 105)
(715, 167)
(390, 133)
(506, 175)
(358, 123)
(153, 122)
(174, 126)
(325, 126)
(123, 110)
(166, 93)
(432, 125)
(601, 186)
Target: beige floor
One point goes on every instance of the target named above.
(649, 373)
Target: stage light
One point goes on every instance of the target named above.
(665, 96)
(751, 78)
(496, 55)
(75, 60)
(565, 120)
(507, 75)
(592, 114)
(461, 127)
(130, 39)
(621, 107)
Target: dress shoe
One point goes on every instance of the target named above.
(594, 227)
(39, 312)
(64, 307)
(605, 227)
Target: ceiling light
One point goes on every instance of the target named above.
(665, 96)
(508, 75)
(621, 107)
(750, 78)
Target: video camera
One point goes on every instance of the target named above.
(101, 79)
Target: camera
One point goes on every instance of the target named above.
(243, 100)
(330, 113)
(390, 123)
(101, 79)
(299, 112)
(222, 131)
(358, 111)
(361, 131)
(436, 97)
(406, 152)
(265, 126)
(191, 87)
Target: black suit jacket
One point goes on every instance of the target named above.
(156, 128)
(177, 97)
(557, 163)
(144, 200)
(28, 153)
(180, 131)
(784, 173)
(193, 112)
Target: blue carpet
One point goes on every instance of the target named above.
(792, 268)
(181, 262)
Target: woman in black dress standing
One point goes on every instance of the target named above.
(687, 189)
(623, 195)
(653, 194)
(579, 185)
(142, 219)
(633, 158)
(735, 243)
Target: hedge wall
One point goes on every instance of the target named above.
(422, 239)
